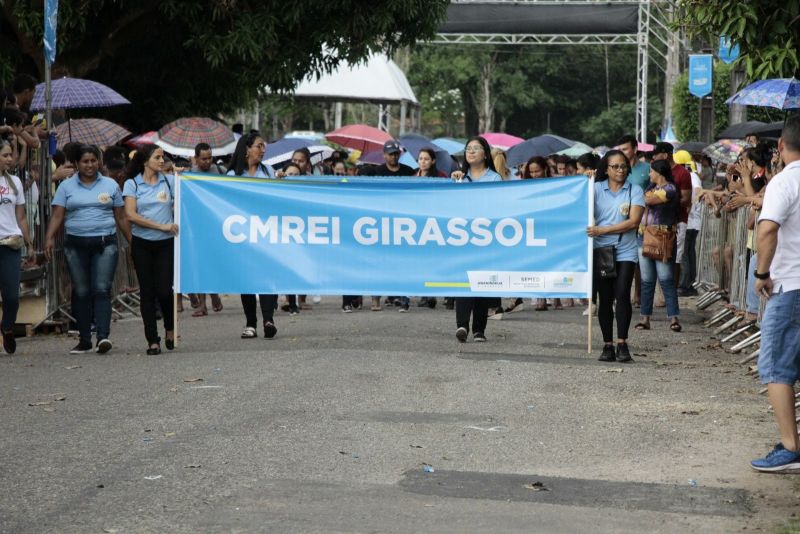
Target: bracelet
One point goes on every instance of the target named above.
(761, 276)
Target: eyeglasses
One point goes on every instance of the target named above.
(473, 149)
(618, 167)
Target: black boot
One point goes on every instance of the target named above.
(623, 354)
(608, 354)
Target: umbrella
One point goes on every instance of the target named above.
(725, 150)
(773, 129)
(318, 153)
(739, 130)
(542, 145)
(71, 93)
(282, 146)
(374, 157)
(413, 143)
(181, 136)
(453, 146)
(693, 146)
(502, 141)
(359, 137)
(645, 147)
(781, 93)
(578, 149)
(146, 138)
(90, 131)
(601, 150)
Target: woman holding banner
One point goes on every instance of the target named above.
(478, 167)
(246, 161)
(148, 196)
(618, 209)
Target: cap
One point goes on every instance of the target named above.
(662, 147)
(682, 157)
(391, 146)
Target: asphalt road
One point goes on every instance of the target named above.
(382, 422)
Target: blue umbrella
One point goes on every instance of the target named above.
(413, 143)
(72, 93)
(781, 93)
(285, 145)
(542, 145)
(452, 146)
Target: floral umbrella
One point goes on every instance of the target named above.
(725, 150)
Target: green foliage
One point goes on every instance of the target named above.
(611, 124)
(768, 32)
(686, 106)
(174, 58)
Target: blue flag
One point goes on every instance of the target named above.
(50, 24)
(727, 53)
(701, 74)
(522, 238)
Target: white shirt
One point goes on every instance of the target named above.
(694, 212)
(8, 206)
(782, 206)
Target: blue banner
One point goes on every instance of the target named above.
(50, 24)
(521, 238)
(701, 74)
(727, 53)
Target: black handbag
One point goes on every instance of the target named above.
(605, 258)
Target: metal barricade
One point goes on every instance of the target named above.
(710, 257)
(125, 289)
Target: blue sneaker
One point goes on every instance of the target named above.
(778, 459)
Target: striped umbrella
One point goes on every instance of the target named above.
(90, 131)
(72, 93)
(181, 136)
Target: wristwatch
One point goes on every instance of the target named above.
(761, 276)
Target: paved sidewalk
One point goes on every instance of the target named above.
(337, 423)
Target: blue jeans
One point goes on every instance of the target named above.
(9, 286)
(753, 303)
(664, 271)
(92, 262)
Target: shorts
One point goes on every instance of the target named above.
(681, 234)
(779, 356)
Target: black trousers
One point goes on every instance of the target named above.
(153, 261)
(478, 307)
(349, 300)
(267, 303)
(615, 290)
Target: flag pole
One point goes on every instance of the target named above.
(590, 254)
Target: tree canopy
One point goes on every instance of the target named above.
(767, 32)
(174, 58)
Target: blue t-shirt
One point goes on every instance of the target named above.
(612, 208)
(488, 176)
(89, 207)
(640, 175)
(153, 202)
(261, 172)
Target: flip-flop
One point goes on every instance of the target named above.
(200, 313)
(218, 308)
(676, 327)
(642, 326)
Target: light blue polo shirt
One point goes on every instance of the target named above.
(89, 208)
(259, 173)
(640, 175)
(612, 208)
(153, 202)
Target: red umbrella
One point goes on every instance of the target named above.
(147, 138)
(359, 137)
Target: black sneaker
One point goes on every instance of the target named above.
(608, 354)
(623, 354)
(403, 308)
(9, 342)
(82, 347)
(347, 309)
(461, 334)
(294, 310)
(478, 337)
(269, 329)
(432, 302)
(423, 302)
(103, 346)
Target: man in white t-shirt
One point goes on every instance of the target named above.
(689, 258)
(778, 280)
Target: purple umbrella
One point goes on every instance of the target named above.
(72, 93)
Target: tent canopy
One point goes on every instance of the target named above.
(379, 80)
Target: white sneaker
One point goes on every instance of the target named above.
(590, 309)
(316, 299)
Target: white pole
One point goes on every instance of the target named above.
(176, 263)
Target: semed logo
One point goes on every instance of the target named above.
(624, 209)
(162, 196)
(566, 281)
(104, 198)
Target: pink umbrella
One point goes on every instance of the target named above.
(501, 140)
(142, 139)
(359, 137)
(645, 147)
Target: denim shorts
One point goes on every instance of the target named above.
(779, 356)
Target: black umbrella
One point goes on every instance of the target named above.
(740, 130)
(693, 146)
(773, 130)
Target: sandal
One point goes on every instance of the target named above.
(642, 326)
(200, 313)
(249, 332)
(676, 327)
(216, 303)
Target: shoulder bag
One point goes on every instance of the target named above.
(605, 258)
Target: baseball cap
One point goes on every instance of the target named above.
(682, 157)
(662, 147)
(391, 146)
